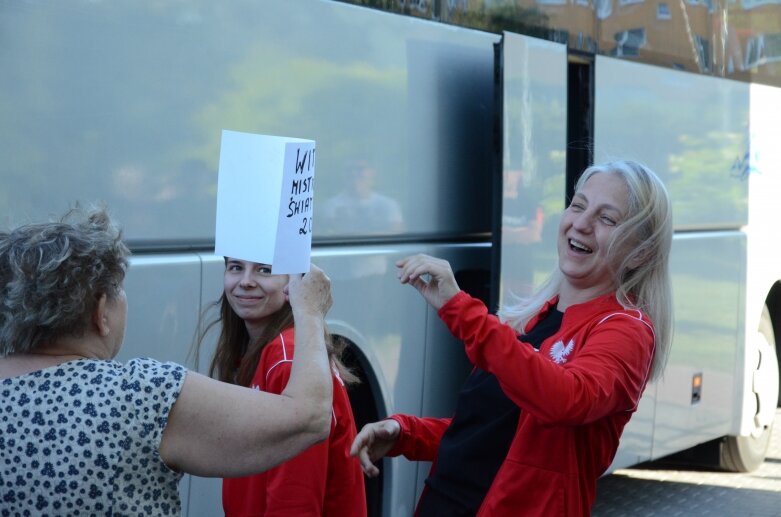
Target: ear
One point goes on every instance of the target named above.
(100, 316)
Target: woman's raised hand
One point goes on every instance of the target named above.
(432, 277)
(373, 442)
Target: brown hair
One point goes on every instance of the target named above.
(236, 357)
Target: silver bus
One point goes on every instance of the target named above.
(433, 138)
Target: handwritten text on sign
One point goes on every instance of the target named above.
(301, 190)
(297, 204)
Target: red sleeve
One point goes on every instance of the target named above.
(420, 437)
(607, 376)
(296, 487)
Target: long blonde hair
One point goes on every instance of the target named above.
(643, 274)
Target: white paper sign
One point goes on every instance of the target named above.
(265, 195)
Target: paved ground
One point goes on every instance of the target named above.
(691, 493)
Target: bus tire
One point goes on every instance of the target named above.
(746, 453)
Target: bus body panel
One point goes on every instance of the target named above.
(129, 100)
(690, 129)
(707, 269)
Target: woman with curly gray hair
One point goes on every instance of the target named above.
(82, 432)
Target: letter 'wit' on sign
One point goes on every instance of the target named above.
(265, 193)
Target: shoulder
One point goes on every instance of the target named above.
(280, 348)
(147, 375)
(277, 356)
(146, 367)
(606, 314)
(634, 317)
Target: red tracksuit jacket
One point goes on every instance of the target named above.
(323, 480)
(576, 395)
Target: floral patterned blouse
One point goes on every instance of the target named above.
(82, 438)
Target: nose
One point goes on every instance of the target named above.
(248, 278)
(582, 222)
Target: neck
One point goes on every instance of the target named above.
(87, 347)
(255, 330)
(569, 296)
(55, 354)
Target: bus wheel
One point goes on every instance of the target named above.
(746, 453)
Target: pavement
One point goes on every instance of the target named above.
(654, 491)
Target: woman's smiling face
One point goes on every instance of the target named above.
(252, 291)
(586, 229)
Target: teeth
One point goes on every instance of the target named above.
(579, 245)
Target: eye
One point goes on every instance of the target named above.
(264, 270)
(233, 266)
(608, 220)
(577, 206)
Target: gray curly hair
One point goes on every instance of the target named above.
(52, 274)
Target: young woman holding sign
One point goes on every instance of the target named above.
(255, 349)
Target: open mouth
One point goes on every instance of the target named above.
(579, 246)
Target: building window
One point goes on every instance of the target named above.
(604, 8)
(552, 2)
(663, 12)
(628, 43)
(763, 49)
(558, 36)
(750, 4)
(703, 53)
(629, 2)
(585, 42)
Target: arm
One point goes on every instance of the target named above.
(419, 437)
(608, 374)
(218, 429)
(297, 486)
(416, 438)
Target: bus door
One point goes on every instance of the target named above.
(532, 92)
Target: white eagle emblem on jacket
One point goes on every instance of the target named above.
(559, 352)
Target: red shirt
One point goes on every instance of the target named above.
(576, 395)
(323, 480)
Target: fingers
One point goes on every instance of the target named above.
(432, 277)
(415, 267)
(373, 442)
(310, 292)
(360, 450)
(369, 468)
(294, 278)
